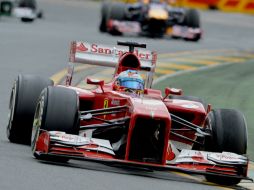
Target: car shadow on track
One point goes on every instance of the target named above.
(142, 172)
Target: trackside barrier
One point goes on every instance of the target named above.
(242, 6)
(201, 4)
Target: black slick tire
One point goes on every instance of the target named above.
(116, 12)
(229, 133)
(26, 19)
(192, 20)
(104, 16)
(24, 94)
(57, 110)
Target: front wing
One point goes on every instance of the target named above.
(60, 144)
(134, 27)
(24, 12)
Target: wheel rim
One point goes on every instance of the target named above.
(37, 123)
(11, 108)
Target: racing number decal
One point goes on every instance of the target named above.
(105, 105)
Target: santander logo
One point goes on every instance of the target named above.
(81, 47)
(97, 49)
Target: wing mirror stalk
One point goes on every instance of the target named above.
(173, 91)
(96, 82)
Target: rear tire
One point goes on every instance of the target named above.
(192, 18)
(117, 12)
(57, 110)
(28, 3)
(25, 92)
(104, 16)
(229, 133)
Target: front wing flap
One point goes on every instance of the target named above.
(24, 12)
(134, 27)
(59, 144)
(185, 32)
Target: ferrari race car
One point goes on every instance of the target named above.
(25, 10)
(125, 122)
(154, 19)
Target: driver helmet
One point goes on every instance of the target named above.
(130, 81)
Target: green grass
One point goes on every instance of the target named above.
(226, 86)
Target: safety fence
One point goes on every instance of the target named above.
(242, 6)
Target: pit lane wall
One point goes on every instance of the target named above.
(242, 6)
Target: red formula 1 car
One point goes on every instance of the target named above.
(124, 121)
(152, 19)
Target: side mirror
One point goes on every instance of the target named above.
(174, 91)
(96, 82)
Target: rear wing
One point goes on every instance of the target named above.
(103, 55)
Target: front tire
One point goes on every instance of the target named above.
(57, 110)
(27, 19)
(229, 133)
(25, 92)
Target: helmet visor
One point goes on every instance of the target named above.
(133, 84)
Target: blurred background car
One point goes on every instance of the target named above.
(25, 10)
(151, 18)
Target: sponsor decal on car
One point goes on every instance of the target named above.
(130, 27)
(82, 47)
(150, 102)
(82, 142)
(190, 106)
(194, 156)
(99, 49)
(227, 157)
(105, 104)
(115, 102)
